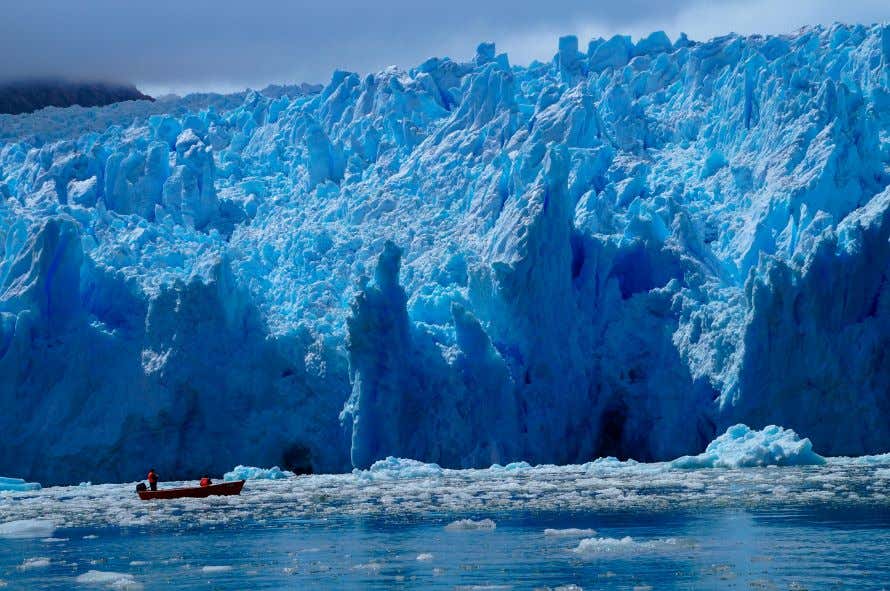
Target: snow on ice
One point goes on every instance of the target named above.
(622, 251)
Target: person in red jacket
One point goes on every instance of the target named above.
(153, 479)
(205, 481)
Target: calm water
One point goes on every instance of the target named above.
(593, 527)
(725, 549)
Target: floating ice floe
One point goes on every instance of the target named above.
(34, 563)
(742, 447)
(253, 473)
(511, 468)
(110, 580)
(470, 525)
(17, 485)
(571, 532)
(27, 528)
(399, 468)
(594, 546)
(873, 460)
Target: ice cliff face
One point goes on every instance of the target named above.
(622, 251)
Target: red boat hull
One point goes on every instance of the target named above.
(197, 492)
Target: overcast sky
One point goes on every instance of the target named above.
(224, 45)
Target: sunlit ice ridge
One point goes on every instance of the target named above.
(621, 251)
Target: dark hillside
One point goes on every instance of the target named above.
(26, 96)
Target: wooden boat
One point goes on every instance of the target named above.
(195, 492)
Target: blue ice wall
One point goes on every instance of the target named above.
(619, 251)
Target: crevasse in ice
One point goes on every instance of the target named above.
(621, 251)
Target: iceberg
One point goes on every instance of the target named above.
(253, 473)
(399, 468)
(17, 485)
(621, 251)
(742, 447)
(511, 468)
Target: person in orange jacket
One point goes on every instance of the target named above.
(205, 481)
(153, 479)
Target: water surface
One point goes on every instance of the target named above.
(595, 527)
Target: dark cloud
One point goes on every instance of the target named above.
(192, 44)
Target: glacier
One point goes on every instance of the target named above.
(621, 251)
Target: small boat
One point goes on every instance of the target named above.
(194, 492)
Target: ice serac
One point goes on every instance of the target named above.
(623, 251)
(409, 399)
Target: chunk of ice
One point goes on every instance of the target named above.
(743, 447)
(571, 532)
(399, 468)
(32, 563)
(469, 525)
(110, 580)
(253, 473)
(27, 528)
(17, 485)
(594, 546)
